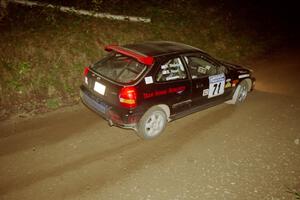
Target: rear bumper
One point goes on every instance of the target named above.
(114, 116)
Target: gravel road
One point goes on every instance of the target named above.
(250, 151)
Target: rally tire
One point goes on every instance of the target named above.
(152, 124)
(240, 93)
(243, 92)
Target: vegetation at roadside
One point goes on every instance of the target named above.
(43, 52)
(296, 194)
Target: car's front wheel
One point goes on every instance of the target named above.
(152, 123)
(240, 93)
(243, 91)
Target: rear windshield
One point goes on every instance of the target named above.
(119, 68)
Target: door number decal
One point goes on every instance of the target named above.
(216, 85)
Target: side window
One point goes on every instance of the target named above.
(173, 69)
(200, 67)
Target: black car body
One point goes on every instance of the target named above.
(142, 86)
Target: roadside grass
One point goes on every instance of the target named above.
(296, 194)
(43, 52)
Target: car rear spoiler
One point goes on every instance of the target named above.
(147, 60)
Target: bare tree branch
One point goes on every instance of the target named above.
(84, 12)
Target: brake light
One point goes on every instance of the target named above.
(128, 97)
(86, 71)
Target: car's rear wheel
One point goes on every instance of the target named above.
(153, 123)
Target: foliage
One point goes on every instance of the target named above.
(295, 193)
(52, 103)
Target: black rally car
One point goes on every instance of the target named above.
(143, 86)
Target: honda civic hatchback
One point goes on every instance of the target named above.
(143, 86)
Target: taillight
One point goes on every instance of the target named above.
(128, 97)
(86, 71)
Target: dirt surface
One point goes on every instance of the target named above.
(250, 151)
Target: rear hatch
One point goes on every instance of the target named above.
(106, 78)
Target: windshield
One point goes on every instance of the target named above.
(119, 68)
